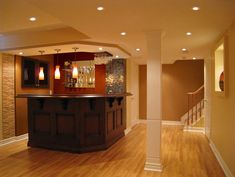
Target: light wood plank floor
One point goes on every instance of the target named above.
(184, 154)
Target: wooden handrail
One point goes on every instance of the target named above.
(195, 92)
(193, 102)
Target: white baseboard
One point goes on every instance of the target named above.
(167, 122)
(153, 167)
(13, 139)
(142, 121)
(133, 123)
(194, 129)
(164, 122)
(222, 163)
(127, 130)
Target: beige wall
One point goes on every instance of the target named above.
(132, 86)
(222, 110)
(177, 79)
(143, 91)
(21, 103)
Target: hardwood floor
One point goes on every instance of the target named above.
(184, 154)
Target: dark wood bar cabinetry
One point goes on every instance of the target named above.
(78, 123)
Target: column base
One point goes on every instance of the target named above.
(153, 167)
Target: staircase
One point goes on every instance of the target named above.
(195, 115)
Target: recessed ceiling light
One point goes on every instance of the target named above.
(100, 8)
(32, 19)
(137, 49)
(194, 58)
(117, 56)
(196, 8)
(123, 33)
(100, 48)
(188, 33)
(21, 53)
(184, 49)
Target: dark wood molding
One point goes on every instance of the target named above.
(117, 95)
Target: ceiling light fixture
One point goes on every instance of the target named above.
(32, 19)
(21, 53)
(196, 8)
(100, 48)
(137, 49)
(123, 33)
(188, 33)
(194, 58)
(100, 8)
(57, 67)
(75, 67)
(41, 76)
(102, 58)
(117, 56)
(184, 49)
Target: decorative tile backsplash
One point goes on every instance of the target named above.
(116, 76)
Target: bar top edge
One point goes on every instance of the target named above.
(72, 95)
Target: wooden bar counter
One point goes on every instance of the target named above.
(78, 123)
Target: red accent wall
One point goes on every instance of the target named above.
(59, 87)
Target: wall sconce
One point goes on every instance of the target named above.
(41, 74)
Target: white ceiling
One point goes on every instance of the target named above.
(72, 21)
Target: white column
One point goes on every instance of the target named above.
(154, 103)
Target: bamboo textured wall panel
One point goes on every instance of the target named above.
(8, 96)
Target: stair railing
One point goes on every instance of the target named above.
(195, 105)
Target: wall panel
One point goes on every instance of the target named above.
(8, 96)
(177, 79)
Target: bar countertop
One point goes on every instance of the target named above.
(72, 95)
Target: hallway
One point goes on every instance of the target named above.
(184, 154)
